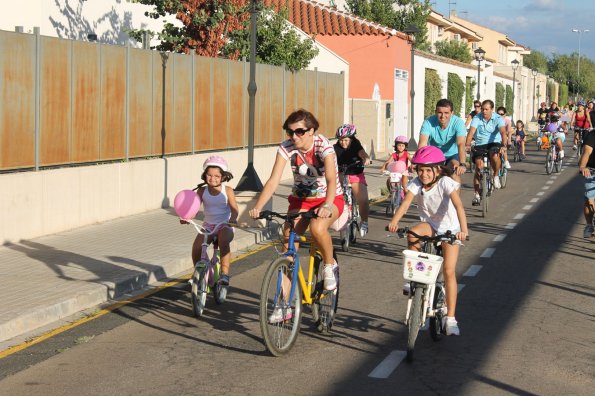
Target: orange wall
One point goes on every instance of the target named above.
(372, 59)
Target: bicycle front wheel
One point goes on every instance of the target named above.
(200, 289)
(414, 322)
(503, 177)
(549, 163)
(280, 318)
(484, 194)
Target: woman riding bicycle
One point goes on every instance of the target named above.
(441, 210)
(580, 119)
(350, 151)
(315, 184)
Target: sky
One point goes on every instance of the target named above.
(542, 25)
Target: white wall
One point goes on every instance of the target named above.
(49, 201)
(74, 19)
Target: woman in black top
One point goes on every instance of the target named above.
(474, 112)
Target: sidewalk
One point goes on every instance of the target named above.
(47, 279)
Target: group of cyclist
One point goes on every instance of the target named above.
(438, 165)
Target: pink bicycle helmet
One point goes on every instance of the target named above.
(186, 204)
(428, 155)
(397, 167)
(216, 160)
(346, 131)
(401, 139)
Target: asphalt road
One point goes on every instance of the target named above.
(525, 310)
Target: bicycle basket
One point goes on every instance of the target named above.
(421, 267)
(395, 177)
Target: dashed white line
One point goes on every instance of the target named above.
(553, 177)
(488, 253)
(534, 200)
(519, 216)
(510, 226)
(388, 365)
(527, 207)
(473, 270)
(549, 182)
(545, 187)
(499, 237)
(460, 287)
(539, 194)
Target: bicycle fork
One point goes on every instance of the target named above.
(427, 310)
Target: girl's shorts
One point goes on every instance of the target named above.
(359, 178)
(308, 204)
(590, 187)
(560, 136)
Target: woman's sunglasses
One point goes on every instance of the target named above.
(477, 106)
(299, 131)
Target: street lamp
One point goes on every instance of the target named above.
(515, 65)
(411, 30)
(534, 72)
(250, 180)
(479, 54)
(578, 62)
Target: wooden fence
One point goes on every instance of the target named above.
(67, 102)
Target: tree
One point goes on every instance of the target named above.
(222, 28)
(536, 60)
(396, 15)
(454, 49)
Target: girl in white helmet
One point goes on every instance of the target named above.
(219, 206)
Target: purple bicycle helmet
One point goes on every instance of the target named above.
(346, 131)
(428, 155)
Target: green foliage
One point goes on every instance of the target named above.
(508, 99)
(564, 68)
(550, 90)
(469, 90)
(396, 14)
(536, 60)
(276, 43)
(499, 95)
(454, 49)
(432, 92)
(455, 92)
(563, 95)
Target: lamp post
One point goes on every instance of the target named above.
(515, 65)
(164, 58)
(479, 54)
(578, 62)
(534, 72)
(411, 30)
(250, 180)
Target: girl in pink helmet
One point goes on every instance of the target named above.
(219, 206)
(400, 154)
(441, 210)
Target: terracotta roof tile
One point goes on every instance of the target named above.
(319, 19)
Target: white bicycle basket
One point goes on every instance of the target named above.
(421, 267)
(395, 177)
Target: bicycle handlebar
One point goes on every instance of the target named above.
(448, 236)
(201, 230)
(288, 217)
(343, 168)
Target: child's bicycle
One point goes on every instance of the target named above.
(351, 229)
(285, 289)
(395, 172)
(426, 291)
(553, 162)
(207, 272)
(517, 147)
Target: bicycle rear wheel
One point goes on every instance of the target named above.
(484, 194)
(325, 302)
(346, 237)
(200, 288)
(414, 322)
(438, 306)
(279, 318)
(390, 208)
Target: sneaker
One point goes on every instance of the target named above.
(224, 279)
(588, 232)
(450, 325)
(574, 147)
(523, 156)
(507, 166)
(330, 276)
(561, 154)
(363, 229)
(476, 200)
(280, 314)
(497, 182)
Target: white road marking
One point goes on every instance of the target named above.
(473, 270)
(499, 237)
(460, 287)
(388, 365)
(534, 200)
(488, 253)
(553, 177)
(510, 226)
(539, 194)
(519, 216)
(545, 187)
(549, 182)
(527, 207)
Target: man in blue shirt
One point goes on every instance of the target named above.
(490, 131)
(446, 132)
